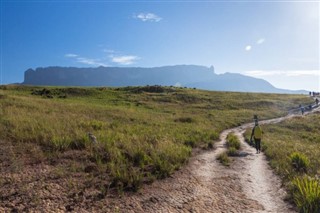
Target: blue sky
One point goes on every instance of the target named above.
(276, 41)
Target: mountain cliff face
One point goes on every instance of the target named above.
(181, 75)
(118, 76)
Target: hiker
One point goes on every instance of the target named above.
(257, 135)
(302, 110)
(317, 101)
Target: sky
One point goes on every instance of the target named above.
(274, 40)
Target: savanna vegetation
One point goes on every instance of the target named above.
(233, 146)
(293, 148)
(142, 133)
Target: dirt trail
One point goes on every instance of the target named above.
(204, 185)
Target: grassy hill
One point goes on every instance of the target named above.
(143, 133)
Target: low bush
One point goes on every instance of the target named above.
(233, 141)
(299, 162)
(224, 159)
(232, 151)
(184, 120)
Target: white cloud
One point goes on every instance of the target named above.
(148, 17)
(289, 79)
(118, 59)
(125, 59)
(261, 41)
(108, 51)
(248, 48)
(70, 55)
(288, 73)
(83, 60)
(178, 84)
(89, 61)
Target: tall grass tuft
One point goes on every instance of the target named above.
(299, 161)
(306, 194)
(233, 141)
(232, 151)
(224, 159)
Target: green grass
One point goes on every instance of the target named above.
(233, 144)
(232, 151)
(143, 133)
(300, 162)
(224, 159)
(306, 194)
(292, 147)
(233, 141)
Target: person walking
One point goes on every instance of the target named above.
(257, 135)
(302, 109)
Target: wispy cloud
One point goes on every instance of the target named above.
(248, 48)
(258, 42)
(89, 61)
(71, 55)
(84, 60)
(108, 51)
(124, 59)
(148, 17)
(288, 73)
(261, 41)
(113, 56)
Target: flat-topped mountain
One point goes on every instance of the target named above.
(200, 77)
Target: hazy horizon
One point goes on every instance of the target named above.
(275, 41)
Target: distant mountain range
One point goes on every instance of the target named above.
(199, 77)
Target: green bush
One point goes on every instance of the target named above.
(299, 162)
(210, 145)
(233, 141)
(306, 194)
(190, 142)
(224, 159)
(232, 151)
(185, 120)
(125, 177)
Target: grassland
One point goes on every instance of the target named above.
(143, 133)
(293, 148)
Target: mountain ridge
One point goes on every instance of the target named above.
(194, 76)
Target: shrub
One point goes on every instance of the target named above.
(299, 162)
(210, 145)
(140, 158)
(232, 151)
(125, 177)
(190, 142)
(224, 159)
(233, 141)
(264, 147)
(184, 120)
(92, 125)
(306, 194)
